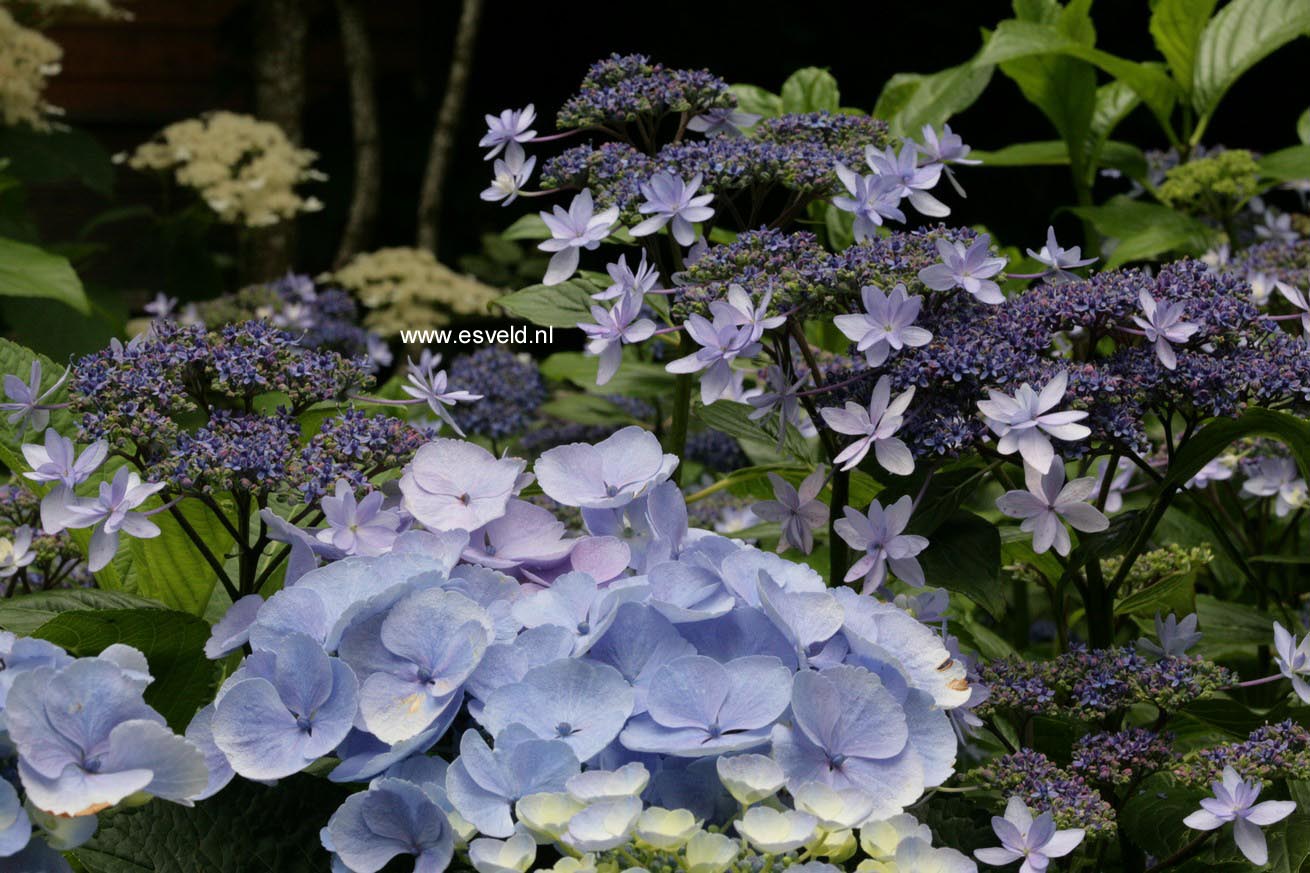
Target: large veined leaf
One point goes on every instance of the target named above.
(1291, 164)
(1123, 156)
(170, 567)
(1176, 26)
(757, 101)
(910, 100)
(567, 304)
(173, 643)
(811, 89)
(634, 379)
(1115, 101)
(245, 828)
(1238, 37)
(1144, 230)
(734, 420)
(526, 227)
(28, 271)
(27, 612)
(964, 556)
(1210, 441)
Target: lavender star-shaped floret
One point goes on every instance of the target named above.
(1025, 423)
(872, 199)
(971, 269)
(613, 329)
(1060, 260)
(1234, 801)
(671, 201)
(1049, 502)
(880, 533)
(1164, 325)
(797, 510)
(912, 180)
(1033, 841)
(876, 427)
(508, 130)
(581, 227)
(886, 325)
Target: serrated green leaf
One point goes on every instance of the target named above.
(634, 379)
(1286, 165)
(27, 612)
(1173, 594)
(910, 100)
(811, 89)
(173, 642)
(1176, 27)
(567, 304)
(586, 409)
(964, 556)
(526, 227)
(1144, 231)
(734, 420)
(28, 271)
(757, 101)
(1153, 816)
(170, 567)
(1237, 38)
(245, 828)
(1226, 625)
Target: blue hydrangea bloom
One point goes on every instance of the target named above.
(697, 706)
(484, 784)
(414, 659)
(575, 602)
(86, 740)
(639, 642)
(393, 817)
(581, 703)
(15, 826)
(610, 474)
(285, 708)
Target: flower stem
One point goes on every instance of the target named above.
(677, 437)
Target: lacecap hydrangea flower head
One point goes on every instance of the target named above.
(246, 170)
(405, 288)
(27, 59)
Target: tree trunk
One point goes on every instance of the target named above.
(367, 192)
(281, 34)
(443, 136)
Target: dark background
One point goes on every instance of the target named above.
(123, 81)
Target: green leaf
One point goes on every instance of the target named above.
(811, 90)
(173, 642)
(1303, 127)
(1210, 441)
(635, 378)
(526, 227)
(18, 360)
(170, 567)
(44, 158)
(586, 409)
(733, 419)
(1153, 816)
(567, 304)
(1286, 165)
(1226, 714)
(28, 271)
(1144, 231)
(1241, 35)
(757, 101)
(1051, 152)
(27, 612)
(1176, 27)
(1226, 625)
(910, 100)
(964, 556)
(245, 828)
(1173, 594)
(1114, 102)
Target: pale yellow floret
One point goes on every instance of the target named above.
(27, 60)
(407, 288)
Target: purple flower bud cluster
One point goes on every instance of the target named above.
(715, 451)
(1034, 778)
(511, 390)
(1121, 757)
(612, 171)
(622, 88)
(57, 560)
(1091, 683)
(557, 432)
(792, 266)
(235, 451)
(1271, 752)
(1275, 261)
(326, 319)
(356, 446)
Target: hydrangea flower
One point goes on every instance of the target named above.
(697, 706)
(603, 825)
(671, 201)
(1164, 325)
(625, 281)
(16, 553)
(1234, 801)
(782, 394)
(1175, 637)
(723, 121)
(1025, 423)
(1048, 503)
(775, 831)
(797, 511)
(750, 778)
(581, 227)
(414, 659)
(514, 855)
(886, 325)
(872, 199)
(913, 180)
(613, 328)
(971, 269)
(508, 131)
(1293, 660)
(58, 461)
(429, 385)
(722, 341)
(86, 740)
(738, 309)
(1060, 260)
(875, 428)
(110, 512)
(946, 148)
(1033, 841)
(881, 535)
(358, 527)
(456, 485)
(28, 405)
(393, 817)
(484, 784)
(509, 176)
(1281, 479)
(608, 475)
(286, 707)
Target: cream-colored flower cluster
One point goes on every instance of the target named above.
(405, 288)
(245, 169)
(27, 60)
